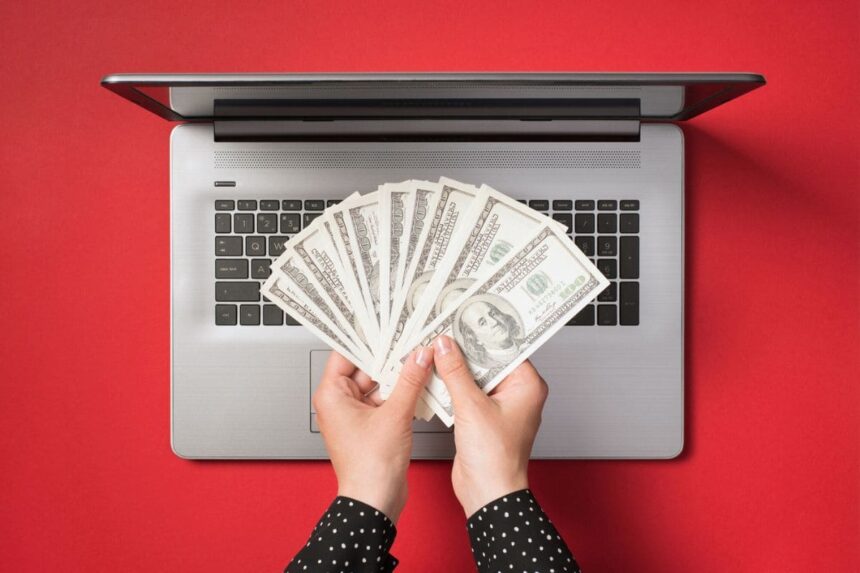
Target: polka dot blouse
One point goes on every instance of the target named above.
(511, 533)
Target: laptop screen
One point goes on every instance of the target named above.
(537, 96)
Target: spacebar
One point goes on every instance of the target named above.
(245, 291)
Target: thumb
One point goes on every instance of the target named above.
(454, 371)
(413, 377)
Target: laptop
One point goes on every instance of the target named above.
(254, 158)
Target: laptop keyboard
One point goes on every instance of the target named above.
(250, 234)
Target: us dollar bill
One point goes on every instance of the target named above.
(454, 200)
(395, 219)
(277, 290)
(343, 237)
(301, 281)
(495, 226)
(316, 258)
(503, 319)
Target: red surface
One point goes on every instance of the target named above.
(770, 475)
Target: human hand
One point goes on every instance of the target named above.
(370, 441)
(493, 433)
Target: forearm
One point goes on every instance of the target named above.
(350, 536)
(514, 531)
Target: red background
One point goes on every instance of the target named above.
(769, 477)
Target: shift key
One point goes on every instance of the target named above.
(244, 291)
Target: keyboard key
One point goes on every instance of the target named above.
(607, 223)
(307, 218)
(247, 204)
(267, 223)
(608, 268)
(523, 201)
(584, 317)
(607, 246)
(629, 222)
(607, 205)
(629, 258)
(260, 268)
(231, 268)
(225, 205)
(565, 219)
(249, 314)
(223, 223)
(291, 204)
(539, 204)
(332, 202)
(255, 246)
(585, 244)
(291, 222)
(272, 315)
(628, 304)
(228, 246)
(607, 315)
(314, 204)
(630, 204)
(609, 294)
(584, 205)
(583, 223)
(270, 205)
(562, 205)
(225, 314)
(290, 321)
(237, 291)
(277, 245)
(243, 223)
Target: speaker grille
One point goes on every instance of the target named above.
(570, 159)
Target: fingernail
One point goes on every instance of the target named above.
(443, 345)
(422, 357)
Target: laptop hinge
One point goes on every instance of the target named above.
(426, 130)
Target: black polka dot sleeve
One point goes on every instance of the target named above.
(351, 537)
(513, 533)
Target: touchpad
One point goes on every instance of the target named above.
(318, 360)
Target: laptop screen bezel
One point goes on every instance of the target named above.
(724, 86)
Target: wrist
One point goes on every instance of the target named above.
(475, 494)
(389, 499)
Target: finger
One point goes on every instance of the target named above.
(334, 392)
(452, 368)
(337, 365)
(374, 398)
(413, 377)
(523, 382)
(364, 381)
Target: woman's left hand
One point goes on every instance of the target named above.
(369, 442)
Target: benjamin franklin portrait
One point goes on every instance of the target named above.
(489, 330)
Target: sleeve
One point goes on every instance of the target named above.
(351, 536)
(513, 533)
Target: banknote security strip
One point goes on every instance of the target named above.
(250, 234)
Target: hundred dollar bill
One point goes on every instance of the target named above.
(276, 289)
(301, 281)
(394, 220)
(454, 200)
(314, 257)
(356, 256)
(503, 319)
(495, 226)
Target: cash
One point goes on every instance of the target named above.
(383, 273)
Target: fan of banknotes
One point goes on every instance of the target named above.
(382, 273)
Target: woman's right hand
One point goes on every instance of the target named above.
(493, 433)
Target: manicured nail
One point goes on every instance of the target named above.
(443, 345)
(423, 358)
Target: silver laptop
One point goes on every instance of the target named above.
(255, 158)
